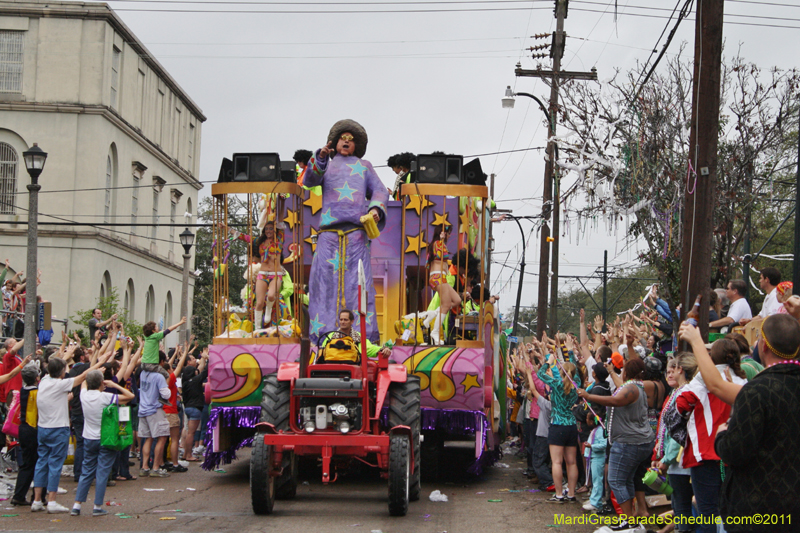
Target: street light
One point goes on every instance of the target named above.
(34, 164)
(187, 240)
(521, 268)
(547, 206)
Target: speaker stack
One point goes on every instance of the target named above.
(256, 167)
(473, 173)
(443, 169)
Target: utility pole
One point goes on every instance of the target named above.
(796, 262)
(605, 286)
(491, 233)
(551, 203)
(699, 200)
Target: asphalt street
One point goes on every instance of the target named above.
(355, 503)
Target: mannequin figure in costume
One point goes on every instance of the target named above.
(269, 280)
(350, 190)
(438, 270)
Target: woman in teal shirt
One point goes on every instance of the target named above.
(563, 436)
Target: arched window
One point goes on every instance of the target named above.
(110, 184)
(109, 179)
(9, 161)
(168, 310)
(150, 305)
(105, 285)
(130, 300)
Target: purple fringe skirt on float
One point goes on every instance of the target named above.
(451, 421)
(228, 417)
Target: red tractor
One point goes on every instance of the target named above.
(333, 407)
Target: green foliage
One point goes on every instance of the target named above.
(109, 305)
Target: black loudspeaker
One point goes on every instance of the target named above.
(439, 169)
(288, 171)
(473, 173)
(225, 171)
(256, 167)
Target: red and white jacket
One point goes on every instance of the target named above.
(707, 413)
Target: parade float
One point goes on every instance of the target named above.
(458, 381)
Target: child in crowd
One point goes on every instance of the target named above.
(596, 453)
(152, 336)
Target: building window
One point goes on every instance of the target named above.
(175, 197)
(173, 209)
(11, 55)
(130, 301)
(8, 178)
(190, 157)
(168, 309)
(115, 63)
(109, 181)
(134, 203)
(150, 305)
(141, 89)
(176, 135)
(159, 116)
(154, 227)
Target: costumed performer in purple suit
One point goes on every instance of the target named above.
(350, 189)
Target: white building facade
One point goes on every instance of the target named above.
(123, 144)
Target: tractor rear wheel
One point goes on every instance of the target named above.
(404, 410)
(399, 474)
(275, 399)
(262, 485)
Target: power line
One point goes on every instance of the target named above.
(96, 226)
(121, 187)
(330, 43)
(759, 3)
(687, 6)
(436, 10)
(654, 50)
(371, 3)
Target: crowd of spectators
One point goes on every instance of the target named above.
(54, 398)
(718, 420)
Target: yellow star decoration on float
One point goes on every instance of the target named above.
(470, 380)
(416, 244)
(310, 241)
(291, 218)
(314, 202)
(418, 203)
(440, 220)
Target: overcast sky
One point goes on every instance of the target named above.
(276, 77)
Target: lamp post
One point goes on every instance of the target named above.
(187, 240)
(521, 269)
(34, 163)
(547, 206)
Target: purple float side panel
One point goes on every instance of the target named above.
(236, 371)
(450, 378)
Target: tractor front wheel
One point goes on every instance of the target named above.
(275, 399)
(399, 474)
(262, 485)
(404, 410)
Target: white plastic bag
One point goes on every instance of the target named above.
(437, 496)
